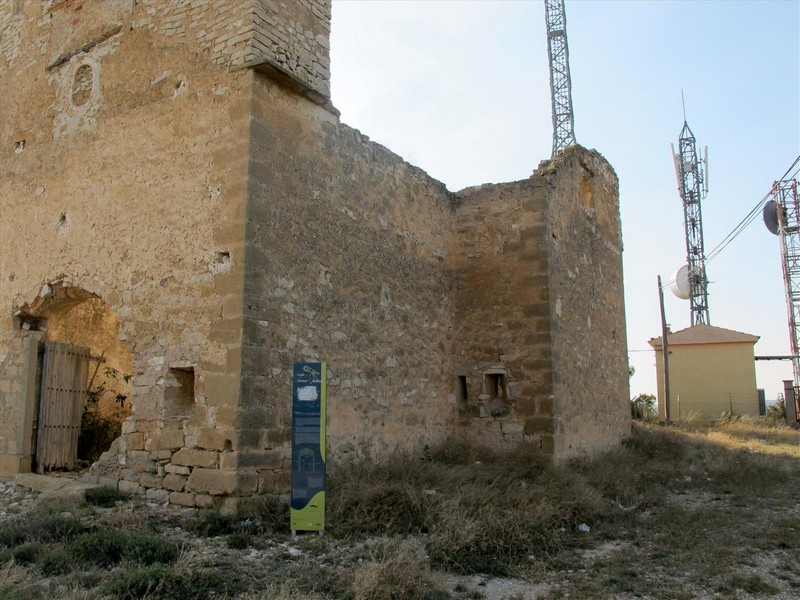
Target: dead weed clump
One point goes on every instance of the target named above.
(486, 516)
(398, 570)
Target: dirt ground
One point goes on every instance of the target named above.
(693, 512)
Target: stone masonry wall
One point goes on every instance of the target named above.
(123, 171)
(295, 38)
(502, 374)
(345, 247)
(589, 347)
(233, 228)
(540, 345)
(18, 404)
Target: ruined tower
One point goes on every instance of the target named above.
(181, 166)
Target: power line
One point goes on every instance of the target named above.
(751, 216)
(746, 221)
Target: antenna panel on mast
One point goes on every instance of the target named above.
(692, 189)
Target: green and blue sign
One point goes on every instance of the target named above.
(308, 447)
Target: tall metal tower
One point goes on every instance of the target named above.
(787, 212)
(693, 188)
(560, 83)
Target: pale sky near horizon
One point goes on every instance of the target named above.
(461, 89)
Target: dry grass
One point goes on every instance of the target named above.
(695, 510)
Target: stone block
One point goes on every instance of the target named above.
(228, 460)
(159, 495)
(251, 438)
(181, 499)
(181, 470)
(213, 439)
(150, 480)
(515, 429)
(212, 481)
(146, 425)
(129, 487)
(172, 440)
(204, 501)
(135, 456)
(161, 455)
(143, 466)
(191, 457)
(136, 440)
(175, 482)
(259, 459)
(539, 425)
(266, 482)
(222, 389)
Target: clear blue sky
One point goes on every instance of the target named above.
(461, 89)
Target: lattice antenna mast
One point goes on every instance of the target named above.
(692, 188)
(560, 83)
(787, 203)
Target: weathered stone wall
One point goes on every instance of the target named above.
(18, 404)
(345, 247)
(502, 326)
(540, 339)
(233, 228)
(589, 340)
(127, 180)
(294, 37)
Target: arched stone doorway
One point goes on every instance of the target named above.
(84, 376)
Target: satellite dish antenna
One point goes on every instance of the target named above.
(771, 217)
(679, 283)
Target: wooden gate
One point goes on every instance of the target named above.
(64, 385)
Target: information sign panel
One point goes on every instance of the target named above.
(308, 447)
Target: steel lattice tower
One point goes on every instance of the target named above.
(787, 203)
(560, 83)
(690, 186)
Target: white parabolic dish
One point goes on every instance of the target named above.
(679, 283)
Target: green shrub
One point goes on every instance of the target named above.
(104, 547)
(141, 582)
(39, 526)
(104, 496)
(27, 553)
(55, 562)
(269, 517)
(239, 540)
(59, 528)
(148, 550)
(643, 407)
(777, 412)
(213, 523)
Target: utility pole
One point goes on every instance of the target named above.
(560, 82)
(693, 186)
(664, 349)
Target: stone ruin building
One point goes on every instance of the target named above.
(179, 202)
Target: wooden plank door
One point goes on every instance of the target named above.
(64, 381)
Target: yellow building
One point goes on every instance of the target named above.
(711, 371)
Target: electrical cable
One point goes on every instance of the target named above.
(745, 222)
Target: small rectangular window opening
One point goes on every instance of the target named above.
(462, 393)
(179, 392)
(496, 386)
